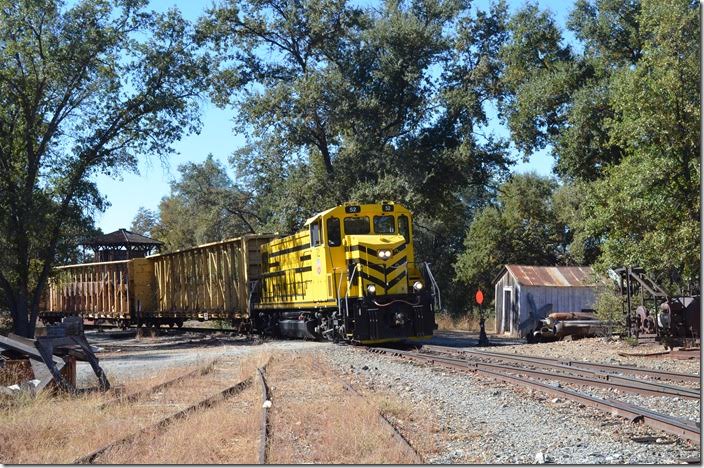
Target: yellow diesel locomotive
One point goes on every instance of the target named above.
(350, 275)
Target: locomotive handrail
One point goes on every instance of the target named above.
(436, 288)
(339, 286)
(349, 285)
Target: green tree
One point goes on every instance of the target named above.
(521, 227)
(621, 118)
(346, 103)
(145, 222)
(84, 90)
(204, 206)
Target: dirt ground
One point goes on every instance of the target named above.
(314, 418)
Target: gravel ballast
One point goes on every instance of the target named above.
(483, 421)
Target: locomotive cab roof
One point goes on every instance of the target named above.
(346, 204)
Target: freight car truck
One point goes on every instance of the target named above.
(208, 282)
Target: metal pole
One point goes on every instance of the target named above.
(628, 301)
(483, 339)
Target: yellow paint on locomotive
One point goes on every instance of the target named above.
(311, 268)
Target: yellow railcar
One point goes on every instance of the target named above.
(350, 275)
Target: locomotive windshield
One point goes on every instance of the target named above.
(357, 225)
(384, 225)
(334, 235)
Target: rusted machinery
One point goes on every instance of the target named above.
(560, 325)
(674, 320)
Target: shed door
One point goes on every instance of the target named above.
(508, 310)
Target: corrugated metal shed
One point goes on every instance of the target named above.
(554, 276)
(524, 294)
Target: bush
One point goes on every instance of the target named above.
(609, 308)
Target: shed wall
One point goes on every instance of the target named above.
(563, 299)
(505, 318)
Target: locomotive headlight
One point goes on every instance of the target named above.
(371, 289)
(417, 286)
(384, 254)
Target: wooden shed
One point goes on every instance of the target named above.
(525, 294)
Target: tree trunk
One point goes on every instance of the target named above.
(20, 315)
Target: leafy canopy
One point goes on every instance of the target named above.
(85, 88)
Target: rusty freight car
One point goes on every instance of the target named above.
(205, 282)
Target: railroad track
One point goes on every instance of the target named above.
(531, 378)
(159, 426)
(117, 330)
(570, 373)
(204, 370)
(393, 431)
(551, 362)
(264, 427)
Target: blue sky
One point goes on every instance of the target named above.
(127, 192)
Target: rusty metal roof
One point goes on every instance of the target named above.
(556, 276)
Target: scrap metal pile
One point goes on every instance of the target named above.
(559, 325)
(49, 361)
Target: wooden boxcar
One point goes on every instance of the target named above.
(204, 282)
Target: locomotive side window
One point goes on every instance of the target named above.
(334, 234)
(357, 225)
(315, 237)
(403, 227)
(384, 224)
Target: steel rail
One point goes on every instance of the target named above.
(627, 386)
(395, 433)
(137, 395)
(205, 403)
(682, 428)
(264, 427)
(105, 328)
(596, 378)
(629, 370)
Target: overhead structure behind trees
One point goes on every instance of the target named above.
(122, 245)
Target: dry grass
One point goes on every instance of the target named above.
(465, 322)
(416, 422)
(15, 372)
(60, 429)
(315, 420)
(225, 433)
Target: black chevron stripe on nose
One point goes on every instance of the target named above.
(380, 268)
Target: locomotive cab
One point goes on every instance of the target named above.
(355, 280)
